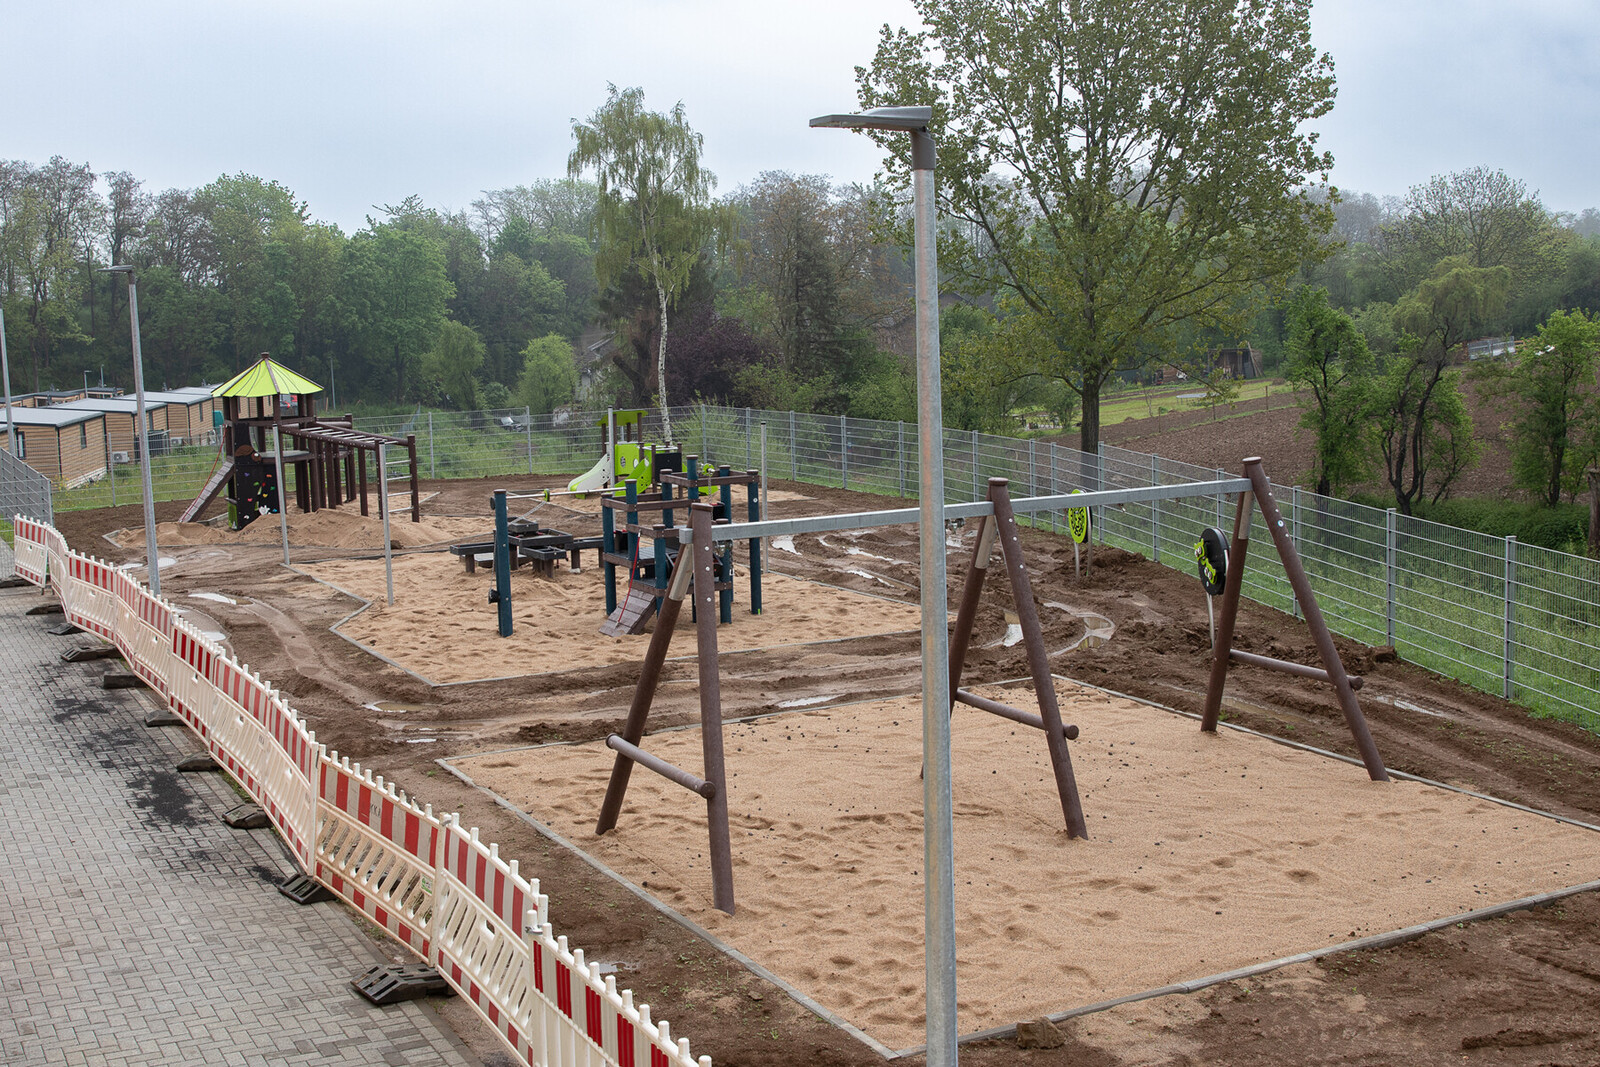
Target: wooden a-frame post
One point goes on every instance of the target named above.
(1223, 651)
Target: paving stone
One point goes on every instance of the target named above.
(141, 930)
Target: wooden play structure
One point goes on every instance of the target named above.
(328, 457)
(1000, 529)
(1232, 580)
(647, 573)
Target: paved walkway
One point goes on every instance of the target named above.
(135, 927)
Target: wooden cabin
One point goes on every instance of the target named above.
(188, 415)
(68, 447)
(120, 413)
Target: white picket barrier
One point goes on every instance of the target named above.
(94, 602)
(431, 884)
(376, 851)
(27, 549)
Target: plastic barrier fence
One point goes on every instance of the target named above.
(426, 880)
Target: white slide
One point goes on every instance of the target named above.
(594, 479)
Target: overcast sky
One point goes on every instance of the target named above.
(357, 103)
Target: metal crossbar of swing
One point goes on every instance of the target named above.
(861, 520)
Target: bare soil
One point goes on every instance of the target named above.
(1520, 990)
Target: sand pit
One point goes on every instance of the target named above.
(442, 627)
(329, 528)
(1208, 853)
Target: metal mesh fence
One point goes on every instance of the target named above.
(1507, 618)
(23, 491)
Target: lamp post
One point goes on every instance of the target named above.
(152, 554)
(5, 373)
(939, 888)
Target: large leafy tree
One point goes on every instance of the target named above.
(1552, 387)
(1423, 430)
(395, 291)
(1330, 363)
(654, 215)
(1116, 169)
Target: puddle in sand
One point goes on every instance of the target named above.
(802, 702)
(389, 708)
(216, 598)
(785, 544)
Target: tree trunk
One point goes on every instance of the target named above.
(1594, 512)
(1089, 424)
(661, 367)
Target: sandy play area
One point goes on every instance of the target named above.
(1207, 853)
(442, 626)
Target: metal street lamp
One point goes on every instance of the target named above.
(5, 372)
(152, 554)
(939, 880)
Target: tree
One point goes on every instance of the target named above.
(1482, 215)
(453, 362)
(1115, 169)
(654, 214)
(1552, 385)
(549, 375)
(1424, 433)
(395, 292)
(1330, 362)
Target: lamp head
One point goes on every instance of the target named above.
(904, 119)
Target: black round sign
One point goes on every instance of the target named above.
(1211, 553)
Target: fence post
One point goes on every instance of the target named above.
(976, 495)
(1510, 616)
(844, 452)
(747, 442)
(1391, 540)
(433, 471)
(1155, 511)
(705, 449)
(794, 451)
(527, 422)
(900, 452)
(1294, 539)
(1221, 498)
(1100, 483)
(1055, 481)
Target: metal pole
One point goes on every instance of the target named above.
(844, 453)
(1294, 539)
(383, 509)
(1155, 512)
(152, 551)
(433, 471)
(527, 417)
(1511, 608)
(939, 879)
(283, 512)
(794, 451)
(5, 373)
(765, 503)
(900, 453)
(1390, 543)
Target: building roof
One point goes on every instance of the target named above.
(121, 405)
(175, 396)
(57, 415)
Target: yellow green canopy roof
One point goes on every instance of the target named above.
(266, 378)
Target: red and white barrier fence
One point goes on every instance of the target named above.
(426, 880)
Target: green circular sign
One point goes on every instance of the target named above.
(1078, 522)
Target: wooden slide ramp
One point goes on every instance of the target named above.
(219, 478)
(632, 614)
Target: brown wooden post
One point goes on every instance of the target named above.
(1038, 659)
(361, 460)
(971, 594)
(705, 595)
(1231, 589)
(644, 693)
(1354, 719)
(416, 499)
